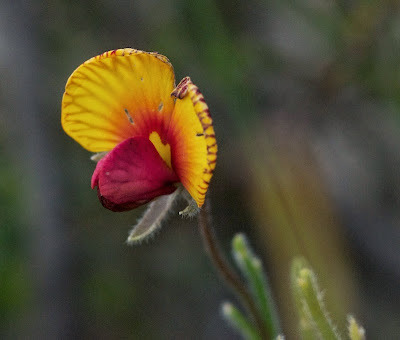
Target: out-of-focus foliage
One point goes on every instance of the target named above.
(305, 96)
(14, 285)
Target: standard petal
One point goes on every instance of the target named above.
(117, 95)
(192, 138)
(132, 174)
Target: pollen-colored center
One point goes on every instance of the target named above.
(163, 149)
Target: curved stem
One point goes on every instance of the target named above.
(224, 269)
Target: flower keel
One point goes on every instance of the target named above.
(132, 174)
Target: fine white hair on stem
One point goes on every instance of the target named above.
(192, 209)
(152, 219)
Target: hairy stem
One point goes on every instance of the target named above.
(224, 269)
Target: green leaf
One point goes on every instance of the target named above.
(356, 332)
(239, 321)
(251, 267)
(314, 319)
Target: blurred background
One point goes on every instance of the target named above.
(305, 97)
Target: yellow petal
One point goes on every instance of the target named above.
(192, 138)
(117, 95)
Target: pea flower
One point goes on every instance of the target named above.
(151, 138)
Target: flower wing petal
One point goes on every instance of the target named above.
(117, 95)
(193, 143)
(132, 174)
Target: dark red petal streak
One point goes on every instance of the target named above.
(132, 174)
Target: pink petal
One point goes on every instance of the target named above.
(132, 174)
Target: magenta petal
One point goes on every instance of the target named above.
(132, 174)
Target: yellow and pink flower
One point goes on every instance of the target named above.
(124, 103)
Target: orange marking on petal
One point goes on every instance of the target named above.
(193, 143)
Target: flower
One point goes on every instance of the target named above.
(124, 104)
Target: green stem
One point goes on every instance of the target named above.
(224, 269)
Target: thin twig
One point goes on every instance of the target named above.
(224, 269)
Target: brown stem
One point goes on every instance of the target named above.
(224, 269)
